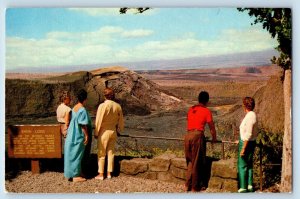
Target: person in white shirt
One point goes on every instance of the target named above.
(63, 112)
(247, 142)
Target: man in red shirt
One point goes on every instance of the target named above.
(194, 142)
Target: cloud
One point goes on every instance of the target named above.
(137, 33)
(97, 11)
(229, 42)
(112, 44)
(65, 48)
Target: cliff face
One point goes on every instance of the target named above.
(268, 106)
(137, 95)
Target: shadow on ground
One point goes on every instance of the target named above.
(14, 166)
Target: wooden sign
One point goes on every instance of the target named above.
(34, 141)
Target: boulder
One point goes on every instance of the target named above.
(223, 185)
(224, 168)
(148, 175)
(179, 163)
(224, 175)
(161, 163)
(168, 177)
(134, 166)
(178, 172)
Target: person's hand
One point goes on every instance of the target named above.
(86, 139)
(242, 153)
(213, 141)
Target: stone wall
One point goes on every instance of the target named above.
(222, 174)
(166, 167)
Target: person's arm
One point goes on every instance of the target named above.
(211, 125)
(99, 119)
(67, 119)
(86, 135)
(120, 127)
(245, 144)
(83, 121)
(212, 131)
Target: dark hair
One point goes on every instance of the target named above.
(249, 103)
(203, 97)
(109, 93)
(81, 95)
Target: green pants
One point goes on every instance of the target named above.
(245, 165)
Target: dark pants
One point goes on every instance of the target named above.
(85, 162)
(195, 151)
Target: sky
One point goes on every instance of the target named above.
(45, 37)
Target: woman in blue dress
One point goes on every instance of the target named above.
(77, 139)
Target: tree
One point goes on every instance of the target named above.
(138, 10)
(279, 24)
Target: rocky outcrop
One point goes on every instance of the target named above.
(136, 94)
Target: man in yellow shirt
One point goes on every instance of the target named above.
(109, 122)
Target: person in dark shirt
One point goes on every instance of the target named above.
(194, 142)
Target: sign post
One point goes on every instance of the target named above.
(34, 142)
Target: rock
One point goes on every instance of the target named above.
(161, 163)
(230, 185)
(168, 177)
(178, 172)
(224, 185)
(148, 175)
(134, 166)
(224, 175)
(179, 163)
(224, 168)
(215, 183)
(136, 94)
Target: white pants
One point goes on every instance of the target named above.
(106, 146)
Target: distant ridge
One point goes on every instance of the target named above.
(222, 61)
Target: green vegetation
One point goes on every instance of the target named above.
(271, 146)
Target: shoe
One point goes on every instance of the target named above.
(250, 188)
(79, 179)
(186, 189)
(242, 190)
(98, 177)
(108, 177)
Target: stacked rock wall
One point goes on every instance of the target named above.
(168, 167)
